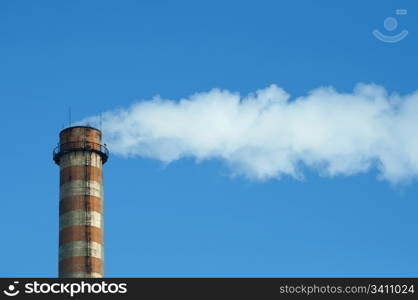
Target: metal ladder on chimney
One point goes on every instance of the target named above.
(87, 163)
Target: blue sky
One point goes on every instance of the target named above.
(188, 218)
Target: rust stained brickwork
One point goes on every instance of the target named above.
(81, 156)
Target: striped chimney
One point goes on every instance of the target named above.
(81, 156)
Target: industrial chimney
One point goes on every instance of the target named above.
(80, 156)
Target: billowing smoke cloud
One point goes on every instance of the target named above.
(266, 135)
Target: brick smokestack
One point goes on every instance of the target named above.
(81, 156)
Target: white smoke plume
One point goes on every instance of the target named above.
(266, 135)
